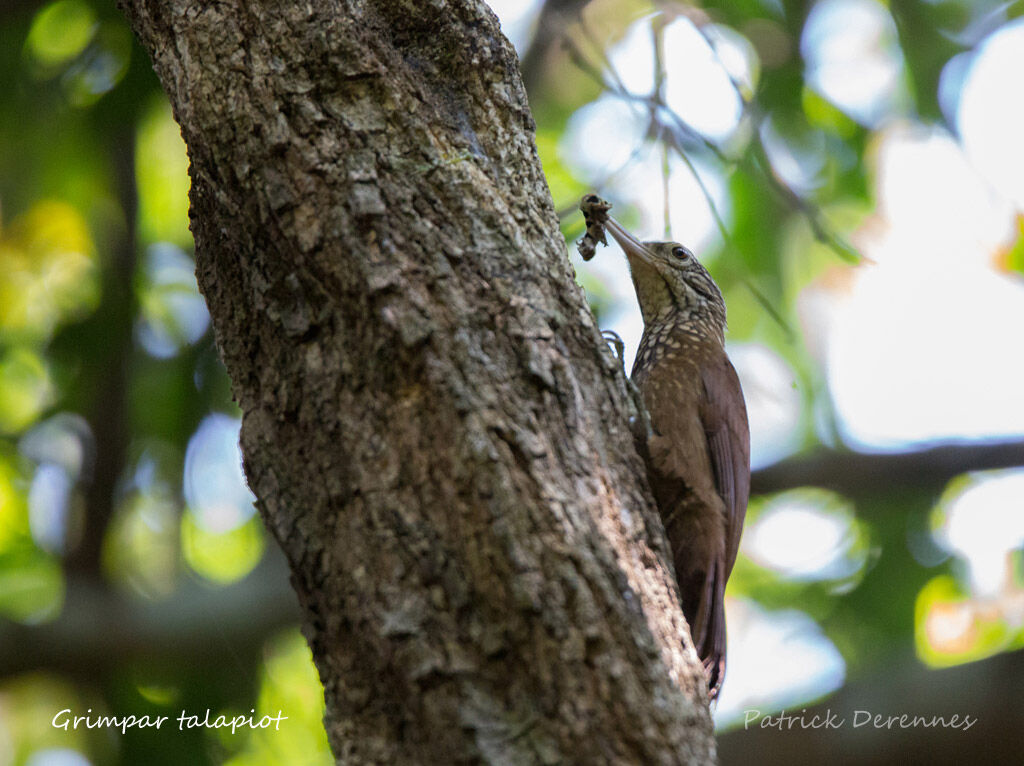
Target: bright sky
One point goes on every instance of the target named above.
(215, 487)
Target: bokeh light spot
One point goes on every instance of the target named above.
(215, 487)
(853, 57)
(49, 272)
(990, 114)
(25, 389)
(173, 314)
(161, 172)
(806, 534)
(60, 31)
(223, 557)
(783, 659)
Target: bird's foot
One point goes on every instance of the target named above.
(612, 339)
(639, 419)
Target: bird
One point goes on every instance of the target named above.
(697, 451)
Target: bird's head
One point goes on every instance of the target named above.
(671, 284)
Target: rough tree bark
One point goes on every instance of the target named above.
(435, 431)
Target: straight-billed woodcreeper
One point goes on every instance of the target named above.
(698, 449)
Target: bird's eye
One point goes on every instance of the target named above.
(681, 253)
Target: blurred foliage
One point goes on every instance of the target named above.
(224, 557)
(97, 295)
(95, 248)
(161, 167)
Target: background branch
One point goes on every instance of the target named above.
(864, 475)
(200, 625)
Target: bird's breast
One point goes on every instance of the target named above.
(669, 351)
(668, 374)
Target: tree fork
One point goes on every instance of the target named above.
(432, 425)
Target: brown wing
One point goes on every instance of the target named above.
(724, 416)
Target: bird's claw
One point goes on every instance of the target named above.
(612, 338)
(639, 419)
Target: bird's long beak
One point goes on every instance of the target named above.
(629, 244)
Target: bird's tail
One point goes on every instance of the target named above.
(709, 631)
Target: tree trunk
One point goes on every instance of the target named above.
(434, 428)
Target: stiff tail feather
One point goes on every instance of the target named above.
(707, 624)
